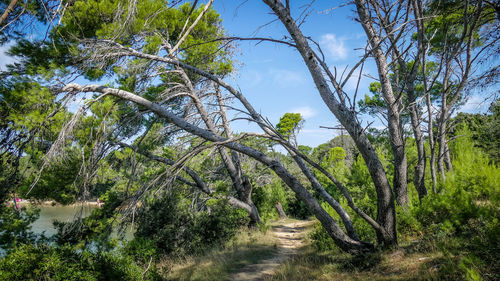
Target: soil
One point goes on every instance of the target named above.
(290, 236)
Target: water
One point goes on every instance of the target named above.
(61, 213)
(67, 214)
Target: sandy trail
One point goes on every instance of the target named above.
(289, 237)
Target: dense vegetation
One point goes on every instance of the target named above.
(150, 136)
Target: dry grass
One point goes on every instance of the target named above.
(400, 264)
(249, 247)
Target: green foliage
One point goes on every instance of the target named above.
(375, 103)
(176, 230)
(321, 240)
(447, 24)
(44, 262)
(94, 229)
(485, 129)
(14, 226)
(289, 125)
(55, 183)
(463, 218)
(305, 149)
(265, 198)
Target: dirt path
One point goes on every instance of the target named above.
(289, 237)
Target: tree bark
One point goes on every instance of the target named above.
(7, 11)
(341, 239)
(280, 211)
(245, 192)
(394, 106)
(241, 183)
(386, 215)
(419, 175)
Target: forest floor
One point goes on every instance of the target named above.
(284, 252)
(253, 255)
(290, 236)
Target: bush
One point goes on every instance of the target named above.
(321, 241)
(15, 226)
(463, 218)
(177, 230)
(44, 262)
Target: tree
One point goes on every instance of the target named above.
(289, 126)
(385, 225)
(459, 36)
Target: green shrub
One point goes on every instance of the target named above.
(321, 241)
(177, 230)
(14, 226)
(463, 217)
(45, 262)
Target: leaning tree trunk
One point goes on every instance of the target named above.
(281, 212)
(240, 182)
(386, 215)
(245, 192)
(341, 239)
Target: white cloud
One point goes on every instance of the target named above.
(305, 111)
(252, 77)
(286, 78)
(4, 58)
(334, 46)
(475, 104)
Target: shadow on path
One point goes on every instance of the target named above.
(289, 237)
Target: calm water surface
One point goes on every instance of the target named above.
(61, 213)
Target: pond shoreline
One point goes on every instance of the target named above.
(26, 202)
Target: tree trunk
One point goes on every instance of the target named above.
(7, 11)
(386, 215)
(280, 211)
(341, 239)
(419, 176)
(442, 144)
(245, 192)
(432, 144)
(447, 158)
(400, 184)
(241, 184)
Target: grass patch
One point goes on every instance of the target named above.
(399, 264)
(248, 247)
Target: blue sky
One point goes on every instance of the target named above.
(274, 78)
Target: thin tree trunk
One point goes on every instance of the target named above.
(441, 143)
(246, 190)
(280, 211)
(386, 215)
(7, 11)
(419, 176)
(341, 239)
(447, 158)
(241, 183)
(400, 184)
